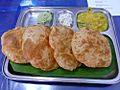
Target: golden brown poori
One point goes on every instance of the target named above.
(60, 40)
(36, 48)
(91, 48)
(47, 49)
(60, 35)
(12, 45)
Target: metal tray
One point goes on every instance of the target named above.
(29, 16)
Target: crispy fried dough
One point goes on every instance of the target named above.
(60, 35)
(36, 48)
(32, 36)
(66, 60)
(43, 57)
(91, 48)
(11, 45)
(60, 40)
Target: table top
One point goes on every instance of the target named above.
(9, 12)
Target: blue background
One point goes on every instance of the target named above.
(9, 12)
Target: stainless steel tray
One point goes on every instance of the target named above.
(29, 16)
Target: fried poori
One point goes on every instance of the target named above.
(91, 48)
(36, 48)
(12, 45)
(60, 40)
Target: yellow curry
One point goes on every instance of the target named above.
(94, 20)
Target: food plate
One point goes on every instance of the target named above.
(26, 72)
